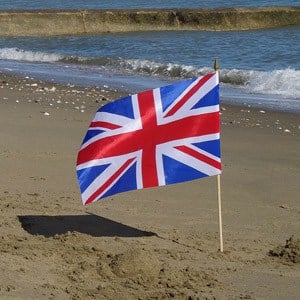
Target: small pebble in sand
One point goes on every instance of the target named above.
(53, 89)
(262, 111)
(283, 206)
(46, 114)
(287, 130)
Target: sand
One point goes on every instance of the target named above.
(156, 243)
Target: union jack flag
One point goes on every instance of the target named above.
(158, 137)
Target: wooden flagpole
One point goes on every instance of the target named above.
(220, 212)
(216, 67)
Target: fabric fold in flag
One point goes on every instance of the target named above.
(158, 137)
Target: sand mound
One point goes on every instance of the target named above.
(145, 273)
(135, 262)
(290, 251)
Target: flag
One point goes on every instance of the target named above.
(158, 137)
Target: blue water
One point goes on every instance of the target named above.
(114, 4)
(257, 67)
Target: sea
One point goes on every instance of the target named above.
(258, 68)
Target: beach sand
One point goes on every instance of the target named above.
(149, 244)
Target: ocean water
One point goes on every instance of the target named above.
(257, 67)
(115, 4)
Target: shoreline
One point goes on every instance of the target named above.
(118, 93)
(66, 22)
(152, 243)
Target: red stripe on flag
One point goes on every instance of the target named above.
(200, 156)
(188, 95)
(109, 181)
(148, 142)
(104, 125)
(150, 135)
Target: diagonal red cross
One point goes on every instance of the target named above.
(150, 135)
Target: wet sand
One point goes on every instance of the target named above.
(150, 244)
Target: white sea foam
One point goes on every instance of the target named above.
(162, 69)
(284, 83)
(278, 82)
(23, 55)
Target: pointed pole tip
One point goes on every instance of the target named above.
(216, 65)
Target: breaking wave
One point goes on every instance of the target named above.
(278, 82)
(285, 83)
(22, 55)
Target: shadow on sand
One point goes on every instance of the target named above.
(90, 224)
